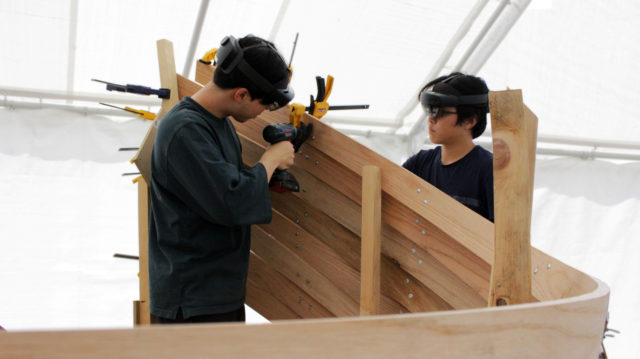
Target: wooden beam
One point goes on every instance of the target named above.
(371, 229)
(142, 316)
(514, 138)
(167, 67)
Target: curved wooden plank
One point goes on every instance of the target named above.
(568, 329)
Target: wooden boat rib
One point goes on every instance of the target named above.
(305, 276)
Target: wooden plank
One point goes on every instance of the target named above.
(268, 280)
(204, 73)
(568, 329)
(514, 137)
(186, 87)
(266, 304)
(371, 231)
(304, 276)
(167, 67)
(143, 316)
(320, 257)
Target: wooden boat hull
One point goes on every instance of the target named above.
(435, 273)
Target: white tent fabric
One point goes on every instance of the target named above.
(66, 209)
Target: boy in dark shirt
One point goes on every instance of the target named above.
(456, 106)
(203, 200)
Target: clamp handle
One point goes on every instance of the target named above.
(295, 114)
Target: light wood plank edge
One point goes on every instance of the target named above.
(565, 328)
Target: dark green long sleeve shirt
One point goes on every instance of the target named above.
(203, 202)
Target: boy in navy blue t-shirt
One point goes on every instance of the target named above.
(456, 107)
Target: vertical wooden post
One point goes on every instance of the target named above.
(142, 313)
(514, 141)
(370, 247)
(168, 79)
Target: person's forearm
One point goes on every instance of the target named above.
(269, 165)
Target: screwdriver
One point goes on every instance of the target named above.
(141, 113)
(141, 90)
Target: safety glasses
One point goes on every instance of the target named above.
(437, 112)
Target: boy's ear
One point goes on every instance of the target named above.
(470, 122)
(240, 94)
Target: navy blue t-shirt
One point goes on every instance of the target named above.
(469, 180)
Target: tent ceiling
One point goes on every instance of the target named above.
(573, 60)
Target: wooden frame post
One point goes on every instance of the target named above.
(370, 247)
(168, 79)
(141, 313)
(514, 141)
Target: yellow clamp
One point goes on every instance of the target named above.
(295, 114)
(209, 56)
(321, 107)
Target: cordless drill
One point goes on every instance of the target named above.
(283, 181)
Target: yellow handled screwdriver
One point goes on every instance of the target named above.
(140, 113)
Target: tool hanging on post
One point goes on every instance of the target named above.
(163, 93)
(140, 113)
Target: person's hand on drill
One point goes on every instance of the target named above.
(279, 155)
